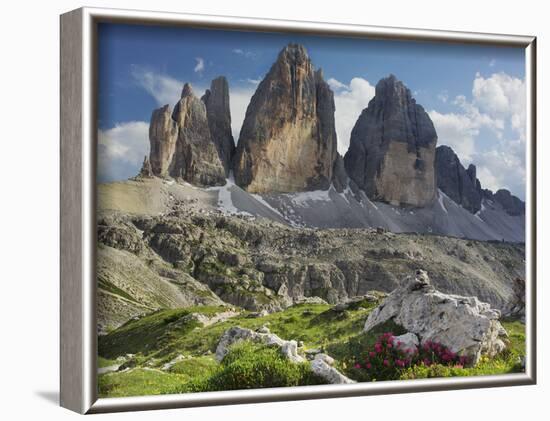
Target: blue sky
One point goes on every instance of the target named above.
(475, 95)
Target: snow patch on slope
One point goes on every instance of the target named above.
(225, 203)
(303, 198)
(440, 196)
(332, 209)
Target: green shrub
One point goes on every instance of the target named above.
(195, 367)
(252, 366)
(422, 371)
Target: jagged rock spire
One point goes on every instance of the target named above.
(288, 140)
(460, 184)
(181, 143)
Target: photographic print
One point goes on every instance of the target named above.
(284, 209)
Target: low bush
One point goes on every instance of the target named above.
(252, 366)
(421, 371)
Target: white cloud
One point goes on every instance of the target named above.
(121, 150)
(253, 81)
(199, 67)
(349, 100)
(502, 168)
(499, 105)
(457, 131)
(238, 102)
(502, 96)
(477, 118)
(443, 96)
(244, 53)
(165, 89)
(336, 84)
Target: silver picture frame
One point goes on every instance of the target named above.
(78, 110)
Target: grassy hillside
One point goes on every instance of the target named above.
(173, 350)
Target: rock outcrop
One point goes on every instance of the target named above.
(516, 307)
(146, 169)
(465, 325)
(288, 139)
(260, 265)
(408, 343)
(455, 181)
(321, 365)
(236, 334)
(512, 205)
(181, 143)
(392, 148)
(218, 113)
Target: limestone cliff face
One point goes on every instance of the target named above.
(288, 139)
(181, 143)
(457, 182)
(163, 134)
(218, 113)
(392, 148)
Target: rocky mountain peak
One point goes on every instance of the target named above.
(392, 148)
(512, 205)
(182, 145)
(288, 138)
(295, 53)
(187, 90)
(460, 184)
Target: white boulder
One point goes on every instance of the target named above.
(465, 325)
(408, 343)
(326, 358)
(323, 369)
(236, 334)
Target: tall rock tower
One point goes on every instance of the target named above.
(392, 148)
(288, 139)
(218, 113)
(181, 143)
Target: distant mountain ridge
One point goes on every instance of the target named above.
(393, 175)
